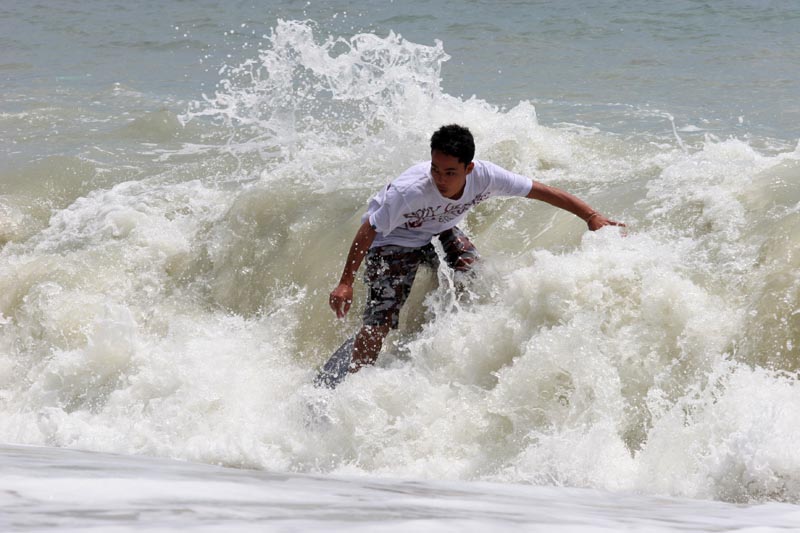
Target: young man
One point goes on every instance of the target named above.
(428, 200)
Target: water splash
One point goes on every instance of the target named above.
(183, 313)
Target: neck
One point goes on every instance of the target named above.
(459, 193)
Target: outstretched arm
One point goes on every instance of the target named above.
(573, 204)
(342, 296)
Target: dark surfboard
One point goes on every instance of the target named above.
(336, 368)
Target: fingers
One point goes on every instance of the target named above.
(601, 222)
(342, 308)
(340, 305)
(336, 305)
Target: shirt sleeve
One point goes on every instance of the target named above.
(385, 210)
(507, 183)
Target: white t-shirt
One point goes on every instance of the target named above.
(410, 210)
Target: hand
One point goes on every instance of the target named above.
(341, 298)
(597, 221)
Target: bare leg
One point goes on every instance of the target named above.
(367, 346)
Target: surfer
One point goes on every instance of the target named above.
(428, 200)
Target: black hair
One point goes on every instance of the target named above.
(456, 141)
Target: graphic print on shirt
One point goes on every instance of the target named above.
(440, 214)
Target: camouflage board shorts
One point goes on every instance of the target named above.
(390, 272)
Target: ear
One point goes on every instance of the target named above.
(470, 167)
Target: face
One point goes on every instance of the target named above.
(449, 174)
